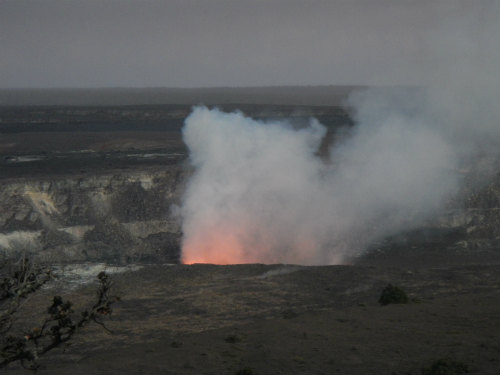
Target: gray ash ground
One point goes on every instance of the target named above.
(206, 319)
(263, 319)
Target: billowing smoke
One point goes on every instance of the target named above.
(260, 193)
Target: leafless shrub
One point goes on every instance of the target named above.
(19, 281)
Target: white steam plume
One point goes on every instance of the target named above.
(259, 193)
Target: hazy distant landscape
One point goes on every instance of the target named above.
(278, 95)
(88, 133)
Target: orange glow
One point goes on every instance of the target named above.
(232, 246)
(216, 249)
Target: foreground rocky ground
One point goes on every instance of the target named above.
(267, 319)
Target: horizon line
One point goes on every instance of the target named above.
(204, 87)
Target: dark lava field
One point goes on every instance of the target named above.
(86, 189)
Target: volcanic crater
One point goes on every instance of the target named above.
(89, 200)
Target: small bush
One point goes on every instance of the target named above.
(392, 294)
(446, 366)
(289, 314)
(244, 371)
(232, 339)
(176, 344)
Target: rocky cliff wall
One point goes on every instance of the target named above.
(116, 217)
(467, 231)
(125, 216)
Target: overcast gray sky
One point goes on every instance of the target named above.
(189, 43)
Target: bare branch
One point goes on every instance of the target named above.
(57, 328)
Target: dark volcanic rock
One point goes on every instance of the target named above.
(117, 217)
(164, 246)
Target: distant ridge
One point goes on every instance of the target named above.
(272, 95)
